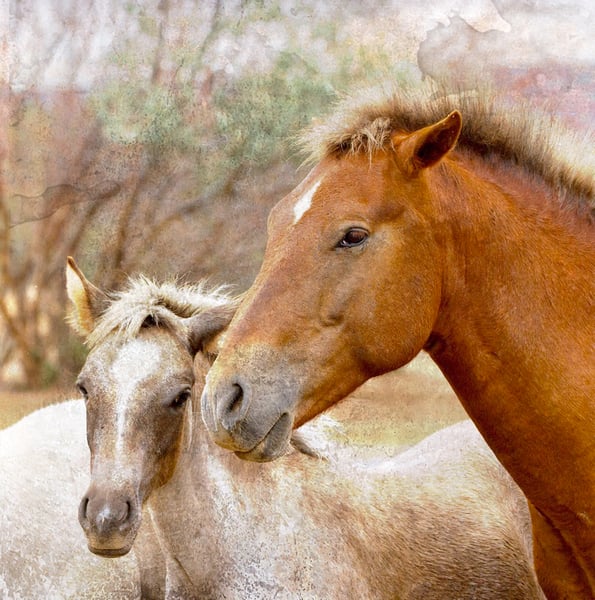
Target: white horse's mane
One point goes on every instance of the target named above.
(145, 302)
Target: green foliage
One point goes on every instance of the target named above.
(258, 114)
(245, 121)
(76, 352)
(249, 120)
(150, 115)
(49, 374)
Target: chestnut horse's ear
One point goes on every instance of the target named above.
(206, 329)
(88, 302)
(425, 147)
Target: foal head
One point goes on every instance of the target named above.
(136, 382)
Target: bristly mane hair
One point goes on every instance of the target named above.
(517, 132)
(145, 302)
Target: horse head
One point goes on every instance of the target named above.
(349, 288)
(137, 382)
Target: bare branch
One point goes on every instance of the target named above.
(34, 208)
(215, 190)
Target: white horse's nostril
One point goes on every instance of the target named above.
(84, 521)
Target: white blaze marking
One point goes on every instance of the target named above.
(304, 203)
(135, 362)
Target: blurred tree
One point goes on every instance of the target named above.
(169, 166)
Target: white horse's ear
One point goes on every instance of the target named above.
(207, 328)
(88, 301)
(426, 147)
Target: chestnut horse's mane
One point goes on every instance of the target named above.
(144, 301)
(492, 126)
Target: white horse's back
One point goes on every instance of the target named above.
(452, 517)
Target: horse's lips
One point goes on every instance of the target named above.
(110, 552)
(273, 444)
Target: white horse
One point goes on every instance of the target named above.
(441, 520)
(44, 469)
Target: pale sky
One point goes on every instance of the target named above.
(63, 43)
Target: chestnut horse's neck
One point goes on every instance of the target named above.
(516, 322)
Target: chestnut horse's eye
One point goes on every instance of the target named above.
(353, 237)
(180, 400)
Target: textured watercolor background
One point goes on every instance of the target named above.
(154, 136)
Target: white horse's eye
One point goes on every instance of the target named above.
(82, 391)
(180, 400)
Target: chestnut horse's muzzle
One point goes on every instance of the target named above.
(110, 518)
(239, 418)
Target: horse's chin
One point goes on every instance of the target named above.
(119, 545)
(273, 445)
(110, 552)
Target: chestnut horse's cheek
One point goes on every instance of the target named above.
(390, 339)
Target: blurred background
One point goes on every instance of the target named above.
(154, 135)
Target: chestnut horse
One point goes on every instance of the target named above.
(441, 520)
(453, 224)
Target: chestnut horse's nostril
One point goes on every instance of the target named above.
(235, 404)
(232, 407)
